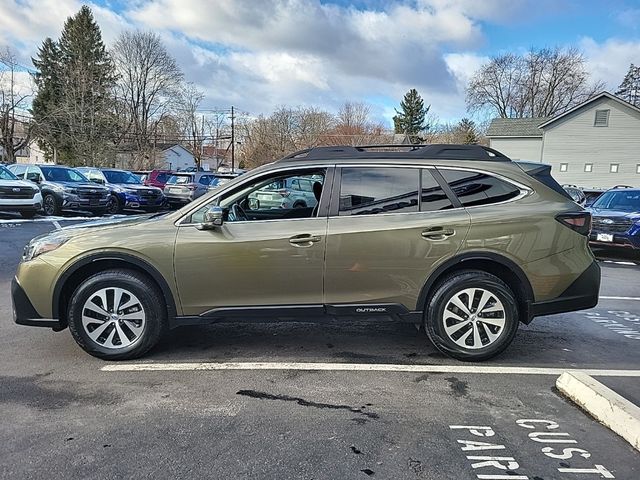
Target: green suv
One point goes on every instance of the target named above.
(457, 239)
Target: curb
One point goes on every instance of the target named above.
(602, 403)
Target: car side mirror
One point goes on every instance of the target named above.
(211, 219)
(33, 177)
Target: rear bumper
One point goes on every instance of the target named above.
(580, 295)
(23, 311)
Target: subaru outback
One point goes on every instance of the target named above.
(458, 240)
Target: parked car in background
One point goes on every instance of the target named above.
(295, 192)
(591, 195)
(127, 192)
(157, 178)
(576, 193)
(64, 188)
(18, 195)
(141, 174)
(616, 219)
(184, 187)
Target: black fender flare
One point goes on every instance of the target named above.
(475, 256)
(123, 257)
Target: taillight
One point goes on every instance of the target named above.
(577, 221)
(192, 187)
(284, 192)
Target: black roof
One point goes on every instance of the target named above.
(423, 152)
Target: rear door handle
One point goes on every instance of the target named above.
(304, 240)
(437, 233)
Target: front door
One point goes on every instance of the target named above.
(384, 238)
(262, 256)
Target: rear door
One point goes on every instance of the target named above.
(389, 228)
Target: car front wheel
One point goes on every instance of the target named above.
(472, 316)
(50, 205)
(117, 315)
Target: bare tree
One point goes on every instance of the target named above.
(149, 79)
(15, 126)
(542, 83)
(191, 124)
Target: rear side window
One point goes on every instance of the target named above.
(473, 188)
(162, 177)
(432, 197)
(367, 191)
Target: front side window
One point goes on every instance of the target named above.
(270, 198)
(18, 170)
(373, 190)
(475, 188)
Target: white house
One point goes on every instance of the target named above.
(597, 143)
(177, 157)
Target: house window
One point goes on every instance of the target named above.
(588, 167)
(601, 118)
(613, 168)
(564, 167)
(638, 168)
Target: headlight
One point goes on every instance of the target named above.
(40, 245)
(71, 191)
(56, 188)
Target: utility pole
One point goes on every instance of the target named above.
(201, 144)
(233, 143)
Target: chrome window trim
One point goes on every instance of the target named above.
(524, 190)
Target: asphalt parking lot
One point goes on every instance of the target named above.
(295, 400)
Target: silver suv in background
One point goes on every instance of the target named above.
(295, 192)
(185, 187)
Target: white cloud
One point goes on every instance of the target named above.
(609, 61)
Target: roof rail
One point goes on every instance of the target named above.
(432, 151)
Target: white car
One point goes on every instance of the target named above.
(18, 195)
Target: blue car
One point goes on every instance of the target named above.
(616, 219)
(127, 191)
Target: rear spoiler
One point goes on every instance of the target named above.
(542, 173)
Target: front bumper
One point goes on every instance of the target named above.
(630, 239)
(21, 204)
(24, 313)
(580, 295)
(74, 202)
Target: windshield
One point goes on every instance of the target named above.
(63, 174)
(6, 174)
(626, 201)
(121, 176)
(180, 179)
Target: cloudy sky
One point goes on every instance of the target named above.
(260, 54)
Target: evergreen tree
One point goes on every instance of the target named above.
(47, 100)
(75, 100)
(467, 132)
(629, 89)
(411, 120)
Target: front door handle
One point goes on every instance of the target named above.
(304, 240)
(437, 233)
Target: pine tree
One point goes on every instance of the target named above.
(629, 89)
(85, 117)
(46, 102)
(466, 131)
(411, 120)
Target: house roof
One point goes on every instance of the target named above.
(603, 94)
(516, 127)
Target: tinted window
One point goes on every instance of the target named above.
(162, 177)
(205, 179)
(180, 179)
(121, 176)
(474, 188)
(62, 174)
(366, 191)
(433, 197)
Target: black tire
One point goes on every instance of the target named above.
(299, 205)
(28, 214)
(439, 300)
(51, 205)
(114, 205)
(150, 299)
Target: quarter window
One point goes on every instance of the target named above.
(368, 191)
(473, 188)
(432, 197)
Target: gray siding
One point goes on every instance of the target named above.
(518, 148)
(575, 141)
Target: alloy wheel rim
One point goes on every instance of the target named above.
(113, 318)
(112, 205)
(49, 206)
(474, 318)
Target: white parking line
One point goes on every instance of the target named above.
(618, 298)
(359, 367)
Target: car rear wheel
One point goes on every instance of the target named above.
(472, 316)
(50, 205)
(117, 315)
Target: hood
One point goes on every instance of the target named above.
(18, 183)
(614, 214)
(82, 185)
(108, 223)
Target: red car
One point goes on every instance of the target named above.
(157, 178)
